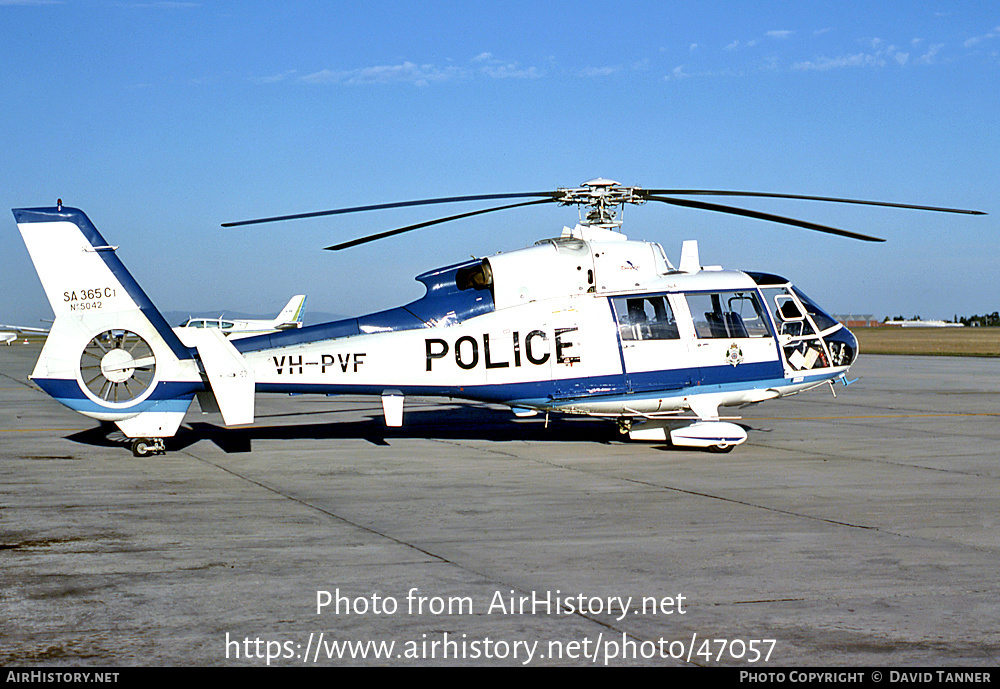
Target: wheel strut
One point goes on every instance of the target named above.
(144, 447)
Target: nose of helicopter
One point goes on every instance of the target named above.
(852, 344)
(843, 346)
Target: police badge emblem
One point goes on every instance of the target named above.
(734, 355)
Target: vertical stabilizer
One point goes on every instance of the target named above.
(690, 260)
(110, 354)
(291, 315)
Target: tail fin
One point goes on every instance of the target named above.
(110, 354)
(291, 315)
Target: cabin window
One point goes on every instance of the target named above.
(727, 315)
(645, 318)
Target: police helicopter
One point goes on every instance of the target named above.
(587, 322)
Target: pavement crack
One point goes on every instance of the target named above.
(325, 512)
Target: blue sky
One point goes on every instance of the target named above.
(162, 120)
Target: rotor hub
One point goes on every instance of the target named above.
(600, 196)
(117, 365)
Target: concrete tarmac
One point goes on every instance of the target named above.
(856, 531)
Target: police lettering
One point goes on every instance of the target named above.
(470, 352)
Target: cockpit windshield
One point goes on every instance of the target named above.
(805, 347)
(819, 316)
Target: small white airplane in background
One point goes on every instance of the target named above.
(289, 317)
(11, 332)
(233, 328)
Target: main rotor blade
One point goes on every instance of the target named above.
(732, 210)
(761, 194)
(408, 228)
(397, 204)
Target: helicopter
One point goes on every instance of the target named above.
(588, 322)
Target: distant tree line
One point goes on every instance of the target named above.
(904, 318)
(990, 319)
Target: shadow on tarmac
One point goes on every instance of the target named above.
(452, 422)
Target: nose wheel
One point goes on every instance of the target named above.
(144, 447)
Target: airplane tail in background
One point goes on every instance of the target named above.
(110, 354)
(291, 315)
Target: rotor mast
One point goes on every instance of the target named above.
(600, 196)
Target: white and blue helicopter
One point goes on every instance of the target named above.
(588, 322)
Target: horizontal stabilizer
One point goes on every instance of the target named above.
(229, 376)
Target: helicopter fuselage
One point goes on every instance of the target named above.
(586, 323)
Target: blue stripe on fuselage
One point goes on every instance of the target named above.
(166, 396)
(554, 393)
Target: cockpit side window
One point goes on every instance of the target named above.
(788, 310)
(788, 317)
(646, 317)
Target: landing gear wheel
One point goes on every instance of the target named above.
(721, 449)
(144, 447)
